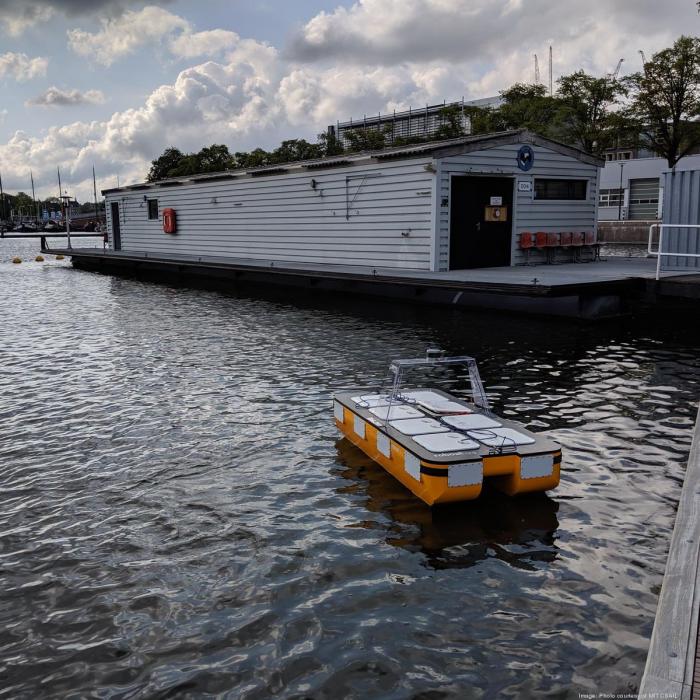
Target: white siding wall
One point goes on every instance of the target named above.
(530, 214)
(281, 218)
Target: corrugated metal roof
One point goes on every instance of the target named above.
(445, 147)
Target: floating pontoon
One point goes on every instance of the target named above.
(442, 447)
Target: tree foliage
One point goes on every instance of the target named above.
(666, 99)
(585, 117)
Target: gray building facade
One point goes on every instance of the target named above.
(454, 204)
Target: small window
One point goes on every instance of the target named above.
(611, 197)
(560, 189)
(152, 208)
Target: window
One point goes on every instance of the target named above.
(619, 155)
(610, 198)
(560, 189)
(152, 208)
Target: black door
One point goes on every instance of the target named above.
(116, 230)
(481, 222)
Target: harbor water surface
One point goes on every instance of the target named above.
(180, 518)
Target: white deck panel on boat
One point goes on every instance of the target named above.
(371, 400)
(418, 426)
(501, 437)
(614, 268)
(446, 442)
(397, 412)
(434, 402)
(474, 421)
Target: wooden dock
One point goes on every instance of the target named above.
(672, 669)
(592, 290)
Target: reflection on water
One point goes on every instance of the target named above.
(180, 518)
(520, 531)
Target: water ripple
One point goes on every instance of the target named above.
(181, 519)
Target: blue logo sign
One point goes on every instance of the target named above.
(526, 158)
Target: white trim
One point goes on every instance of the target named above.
(359, 427)
(469, 474)
(411, 465)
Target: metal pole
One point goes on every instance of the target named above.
(94, 192)
(619, 206)
(68, 230)
(36, 218)
(658, 257)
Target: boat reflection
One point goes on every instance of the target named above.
(520, 531)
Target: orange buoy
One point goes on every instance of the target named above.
(39, 258)
(16, 261)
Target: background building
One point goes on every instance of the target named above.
(423, 122)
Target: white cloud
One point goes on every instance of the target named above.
(55, 97)
(489, 42)
(20, 67)
(122, 35)
(207, 43)
(17, 16)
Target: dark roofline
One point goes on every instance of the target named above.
(462, 144)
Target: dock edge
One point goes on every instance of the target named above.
(669, 669)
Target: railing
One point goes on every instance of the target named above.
(659, 253)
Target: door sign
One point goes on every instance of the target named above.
(496, 201)
(496, 214)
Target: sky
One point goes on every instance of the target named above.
(112, 83)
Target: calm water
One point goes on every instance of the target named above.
(180, 519)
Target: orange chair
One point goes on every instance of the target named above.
(577, 240)
(591, 240)
(526, 242)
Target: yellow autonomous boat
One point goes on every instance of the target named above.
(442, 447)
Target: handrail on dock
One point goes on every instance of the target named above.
(670, 665)
(659, 253)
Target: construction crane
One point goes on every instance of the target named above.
(537, 70)
(616, 72)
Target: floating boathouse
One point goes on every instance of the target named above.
(413, 223)
(471, 202)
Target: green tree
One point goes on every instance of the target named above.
(585, 116)
(483, 119)
(255, 159)
(215, 158)
(329, 143)
(666, 99)
(162, 166)
(526, 107)
(452, 125)
(294, 150)
(370, 139)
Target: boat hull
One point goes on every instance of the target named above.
(437, 482)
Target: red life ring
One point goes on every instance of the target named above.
(169, 221)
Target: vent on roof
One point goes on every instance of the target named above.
(328, 164)
(266, 171)
(212, 178)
